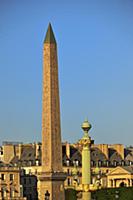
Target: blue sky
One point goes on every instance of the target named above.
(95, 56)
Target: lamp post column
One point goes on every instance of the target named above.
(86, 160)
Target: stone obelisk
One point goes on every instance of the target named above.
(51, 179)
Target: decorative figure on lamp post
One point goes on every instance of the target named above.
(97, 184)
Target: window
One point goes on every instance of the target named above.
(24, 180)
(3, 177)
(3, 192)
(11, 192)
(21, 191)
(99, 163)
(74, 162)
(30, 196)
(67, 162)
(122, 163)
(107, 163)
(37, 162)
(24, 189)
(30, 162)
(38, 148)
(115, 163)
(77, 163)
(29, 180)
(11, 177)
(92, 163)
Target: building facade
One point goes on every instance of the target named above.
(105, 159)
(10, 186)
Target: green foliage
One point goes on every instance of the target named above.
(70, 194)
(123, 193)
(114, 193)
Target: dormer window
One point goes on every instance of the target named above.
(37, 162)
(92, 163)
(122, 163)
(77, 163)
(99, 163)
(115, 163)
(67, 163)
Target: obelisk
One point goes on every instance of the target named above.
(51, 180)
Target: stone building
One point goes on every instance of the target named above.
(29, 183)
(104, 159)
(10, 185)
(120, 177)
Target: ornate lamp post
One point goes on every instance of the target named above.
(86, 160)
(47, 195)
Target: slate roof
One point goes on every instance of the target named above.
(96, 155)
(115, 157)
(128, 168)
(28, 156)
(129, 154)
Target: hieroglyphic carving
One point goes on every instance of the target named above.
(51, 134)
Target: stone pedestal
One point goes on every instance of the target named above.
(86, 196)
(53, 183)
